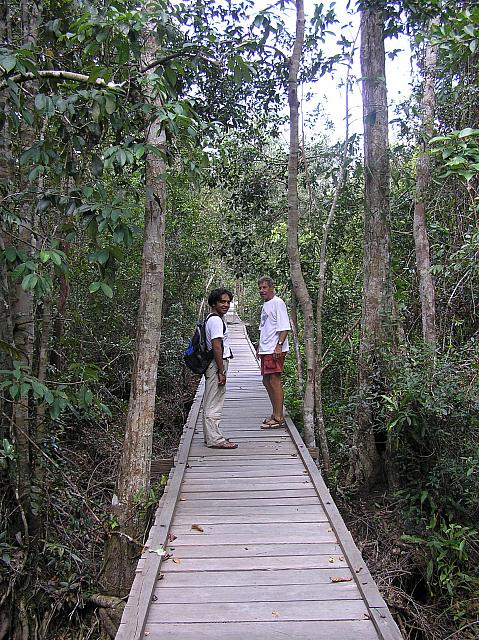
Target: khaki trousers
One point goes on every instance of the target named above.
(213, 401)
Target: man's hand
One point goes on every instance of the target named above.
(278, 350)
(221, 378)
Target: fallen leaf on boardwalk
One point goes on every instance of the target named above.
(171, 537)
(161, 576)
(341, 558)
(331, 559)
(275, 614)
(177, 561)
(182, 499)
(197, 527)
(159, 552)
(339, 579)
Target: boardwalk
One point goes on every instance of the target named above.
(256, 549)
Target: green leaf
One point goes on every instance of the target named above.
(56, 257)
(468, 132)
(110, 105)
(38, 389)
(55, 409)
(44, 256)
(40, 102)
(43, 205)
(8, 63)
(29, 282)
(108, 291)
(103, 256)
(12, 351)
(10, 254)
(121, 158)
(94, 286)
(96, 112)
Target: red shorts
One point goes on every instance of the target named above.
(270, 364)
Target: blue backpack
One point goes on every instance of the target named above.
(196, 356)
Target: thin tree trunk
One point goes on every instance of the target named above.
(421, 240)
(133, 481)
(296, 345)
(41, 417)
(297, 279)
(376, 321)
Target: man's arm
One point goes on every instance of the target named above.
(217, 345)
(278, 350)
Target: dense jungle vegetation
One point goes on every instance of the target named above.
(143, 161)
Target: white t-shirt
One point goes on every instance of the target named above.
(274, 319)
(214, 329)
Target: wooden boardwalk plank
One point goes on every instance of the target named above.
(278, 630)
(269, 557)
(318, 610)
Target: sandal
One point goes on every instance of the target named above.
(269, 420)
(224, 445)
(277, 424)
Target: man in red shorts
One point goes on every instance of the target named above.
(272, 349)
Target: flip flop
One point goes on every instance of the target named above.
(274, 425)
(269, 420)
(224, 445)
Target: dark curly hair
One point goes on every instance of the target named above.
(216, 294)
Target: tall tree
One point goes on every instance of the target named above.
(421, 240)
(377, 308)
(299, 285)
(133, 480)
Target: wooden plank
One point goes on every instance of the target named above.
(255, 531)
(259, 447)
(258, 611)
(264, 550)
(159, 466)
(272, 593)
(278, 630)
(251, 461)
(244, 472)
(258, 518)
(285, 576)
(269, 563)
(249, 502)
(232, 486)
(280, 537)
(184, 509)
(238, 495)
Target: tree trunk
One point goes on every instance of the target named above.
(296, 345)
(133, 482)
(376, 321)
(421, 240)
(297, 279)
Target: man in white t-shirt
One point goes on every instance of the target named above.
(217, 340)
(272, 348)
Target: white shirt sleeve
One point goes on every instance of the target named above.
(282, 318)
(214, 329)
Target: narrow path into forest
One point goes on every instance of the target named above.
(255, 546)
